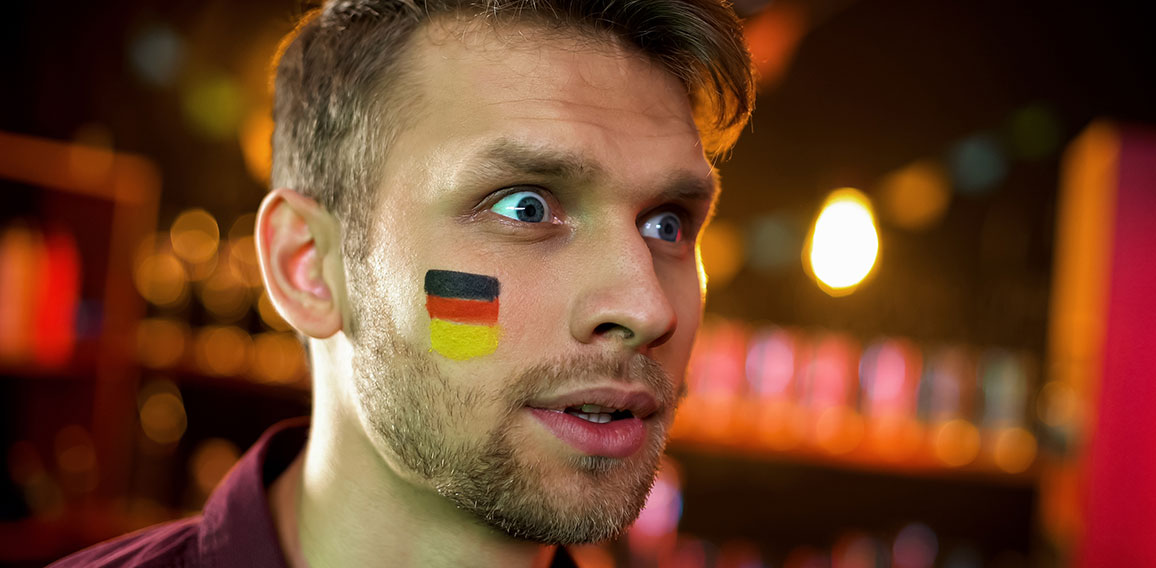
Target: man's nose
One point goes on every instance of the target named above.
(621, 297)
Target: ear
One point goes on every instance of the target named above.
(299, 248)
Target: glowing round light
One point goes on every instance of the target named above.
(242, 254)
(916, 196)
(956, 442)
(277, 357)
(195, 236)
(224, 295)
(161, 342)
(977, 164)
(223, 350)
(162, 417)
(915, 547)
(256, 135)
(211, 461)
(1015, 450)
(770, 362)
(161, 279)
(213, 106)
(844, 243)
(721, 248)
(773, 242)
(156, 54)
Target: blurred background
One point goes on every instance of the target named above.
(928, 337)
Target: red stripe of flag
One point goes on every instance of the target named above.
(457, 310)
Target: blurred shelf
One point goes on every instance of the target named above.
(904, 449)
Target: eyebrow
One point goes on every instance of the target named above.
(509, 157)
(506, 156)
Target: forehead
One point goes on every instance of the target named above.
(570, 94)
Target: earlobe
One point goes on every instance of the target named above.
(295, 238)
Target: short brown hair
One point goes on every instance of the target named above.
(338, 102)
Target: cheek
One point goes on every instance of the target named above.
(532, 316)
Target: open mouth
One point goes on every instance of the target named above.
(597, 414)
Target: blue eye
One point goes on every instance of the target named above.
(525, 206)
(665, 226)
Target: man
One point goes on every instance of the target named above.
(485, 223)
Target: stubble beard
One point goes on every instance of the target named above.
(426, 422)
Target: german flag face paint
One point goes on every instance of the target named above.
(463, 311)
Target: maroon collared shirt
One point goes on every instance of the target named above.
(234, 529)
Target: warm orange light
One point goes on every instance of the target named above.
(211, 461)
(223, 350)
(161, 343)
(195, 236)
(224, 295)
(242, 255)
(21, 252)
(844, 243)
(916, 196)
(256, 136)
(721, 248)
(278, 357)
(839, 430)
(161, 279)
(1015, 449)
(956, 442)
(162, 417)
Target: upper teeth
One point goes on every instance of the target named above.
(594, 413)
(595, 409)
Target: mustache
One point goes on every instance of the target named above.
(552, 376)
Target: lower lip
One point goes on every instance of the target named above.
(615, 439)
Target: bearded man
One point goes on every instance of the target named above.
(484, 222)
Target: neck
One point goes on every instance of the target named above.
(342, 504)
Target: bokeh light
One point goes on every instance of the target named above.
(155, 54)
(195, 236)
(162, 413)
(916, 196)
(256, 136)
(211, 460)
(161, 342)
(1015, 449)
(770, 363)
(213, 106)
(916, 546)
(956, 442)
(225, 295)
(855, 550)
(844, 242)
(977, 164)
(721, 247)
(278, 357)
(223, 350)
(774, 242)
(161, 279)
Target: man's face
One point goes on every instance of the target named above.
(567, 174)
